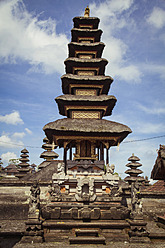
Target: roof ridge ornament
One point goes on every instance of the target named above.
(87, 11)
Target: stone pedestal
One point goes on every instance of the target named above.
(138, 232)
(34, 232)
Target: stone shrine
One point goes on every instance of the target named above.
(85, 187)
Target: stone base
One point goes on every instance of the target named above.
(55, 231)
(31, 239)
(140, 240)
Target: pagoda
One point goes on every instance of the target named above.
(84, 187)
(86, 101)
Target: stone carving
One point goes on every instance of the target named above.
(54, 192)
(60, 176)
(111, 178)
(60, 168)
(136, 201)
(34, 204)
(85, 189)
(110, 169)
(116, 191)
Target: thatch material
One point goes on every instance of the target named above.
(75, 46)
(43, 175)
(75, 100)
(86, 127)
(68, 79)
(76, 32)
(89, 63)
(158, 172)
(79, 20)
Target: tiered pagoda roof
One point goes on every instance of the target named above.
(133, 171)
(48, 154)
(24, 165)
(86, 101)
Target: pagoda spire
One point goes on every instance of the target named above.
(87, 12)
(24, 165)
(48, 155)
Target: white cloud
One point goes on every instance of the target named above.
(112, 20)
(13, 118)
(9, 142)
(28, 130)
(7, 156)
(26, 37)
(157, 18)
(128, 73)
(18, 135)
(152, 110)
(149, 128)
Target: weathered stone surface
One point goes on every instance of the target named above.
(56, 213)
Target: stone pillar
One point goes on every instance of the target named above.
(34, 232)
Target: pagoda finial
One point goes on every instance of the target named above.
(87, 11)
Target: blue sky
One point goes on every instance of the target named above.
(33, 46)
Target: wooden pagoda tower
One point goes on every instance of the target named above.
(86, 101)
(84, 192)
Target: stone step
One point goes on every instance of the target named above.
(157, 235)
(87, 232)
(87, 240)
(79, 224)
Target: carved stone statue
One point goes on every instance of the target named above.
(34, 204)
(55, 192)
(110, 169)
(136, 201)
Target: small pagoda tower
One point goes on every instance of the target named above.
(48, 154)
(24, 166)
(133, 171)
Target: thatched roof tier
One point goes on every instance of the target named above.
(82, 21)
(24, 151)
(76, 64)
(44, 164)
(158, 172)
(12, 168)
(131, 179)
(93, 33)
(133, 158)
(48, 146)
(48, 154)
(24, 159)
(23, 164)
(73, 129)
(133, 172)
(74, 47)
(70, 81)
(76, 102)
(134, 165)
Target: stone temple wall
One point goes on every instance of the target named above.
(14, 202)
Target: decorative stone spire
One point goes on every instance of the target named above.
(24, 166)
(87, 12)
(133, 171)
(48, 154)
